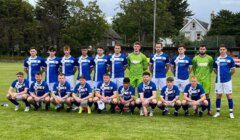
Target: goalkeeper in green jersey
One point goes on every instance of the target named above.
(202, 69)
(137, 64)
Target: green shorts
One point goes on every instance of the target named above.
(206, 86)
(135, 81)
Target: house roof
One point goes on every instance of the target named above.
(203, 24)
(110, 33)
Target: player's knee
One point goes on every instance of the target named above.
(178, 103)
(90, 100)
(132, 103)
(47, 99)
(114, 100)
(95, 99)
(159, 103)
(138, 101)
(24, 96)
(184, 102)
(29, 99)
(205, 102)
(8, 96)
(154, 101)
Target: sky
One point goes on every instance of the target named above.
(201, 8)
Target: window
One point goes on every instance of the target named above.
(193, 26)
(198, 36)
(187, 35)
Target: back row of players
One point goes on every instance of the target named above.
(106, 85)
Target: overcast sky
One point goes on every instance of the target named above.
(201, 8)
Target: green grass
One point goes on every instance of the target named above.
(62, 125)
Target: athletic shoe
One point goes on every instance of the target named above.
(210, 113)
(141, 112)
(69, 109)
(200, 113)
(231, 115)
(175, 113)
(26, 109)
(165, 112)
(75, 108)
(186, 113)
(80, 110)
(216, 115)
(16, 107)
(89, 111)
(151, 112)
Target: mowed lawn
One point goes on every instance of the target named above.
(63, 125)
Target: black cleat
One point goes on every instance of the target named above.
(99, 111)
(69, 109)
(175, 113)
(165, 112)
(200, 113)
(187, 113)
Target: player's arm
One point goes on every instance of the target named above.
(141, 97)
(74, 69)
(53, 94)
(25, 69)
(175, 99)
(167, 67)
(153, 96)
(203, 97)
(23, 92)
(45, 95)
(194, 66)
(33, 95)
(67, 95)
(162, 99)
(151, 67)
(89, 96)
(114, 95)
(98, 94)
(187, 98)
(190, 69)
(233, 70)
(145, 63)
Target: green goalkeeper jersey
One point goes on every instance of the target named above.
(203, 67)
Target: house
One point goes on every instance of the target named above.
(110, 39)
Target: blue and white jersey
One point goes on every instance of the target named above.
(194, 93)
(68, 65)
(169, 94)
(82, 91)
(147, 90)
(84, 66)
(39, 89)
(181, 67)
(117, 63)
(126, 94)
(223, 65)
(61, 90)
(159, 62)
(20, 86)
(34, 66)
(106, 89)
(52, 69)
(101, 64)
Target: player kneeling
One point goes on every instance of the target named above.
(60, 93)
(39, 93)
(82, 95)
(147, 92)
(194, 95)
(21, 88)
(106, 93)
(169, 97)
(126, 95)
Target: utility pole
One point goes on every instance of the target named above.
(154, 23)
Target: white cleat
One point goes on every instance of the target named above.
(16, 108)
(216, 115)
(231, 115)
(26, 109)
(141, 112)
(151, 112)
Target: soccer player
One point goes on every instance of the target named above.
(169, 97)
(126, 94)
(137, 64)
(85, 65)
(202, 69)
(181, 66)
(106, 93)
(159, 65)
(147, 92)
(18, 91)
(33, 65)
(118, 64)
(101, 63)
(194, 95)
(68, 66)
(39, 93)
(61, 92)
(224, 67)
(51, 66)
(82, 94)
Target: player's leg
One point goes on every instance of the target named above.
(89, 105)
(132, 106)
(228, 92)
(113, 104)
(219, 91)
(204, 105)
(121, 106)
(145, 105)
(47, 103)
(69, 102)
(177, 106)
(152, 105)
(162, 83)
(185, 107)
(24, 99)
(13, 100)
(207, 87)
(162, 107)
(139, 105)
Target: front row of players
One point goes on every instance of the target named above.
(107, 93)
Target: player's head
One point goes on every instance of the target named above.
(158, 47)
(84, 50)
(52, 51)
(67, 50)
(170, 82)
(20, 76)
(223, 49)
(194, 81)
(202, 49)
(82, 80)
(61, 78)
(106, 78)
(33, 51)
(38, 77)
(117, 48)
(146, 77)
(126, 82)
(181, 49)
(137, 46)
(100, 51)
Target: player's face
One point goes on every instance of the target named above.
(52, 53)
(106, 79)
(169, 84)
(126, 85)
(61, 79)
(146, 78)
(20, 78)
(181, 50)
(117, 49)
(82, 81)
(84, 52)
(158, 47)
(67, 51)
(38, 78)
(202, 50)
(33, 52)
(136, 48)
(194, 82)
(223, 51)
(100, 51)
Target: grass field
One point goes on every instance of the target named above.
(62, 125)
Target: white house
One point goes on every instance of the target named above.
(194, 29)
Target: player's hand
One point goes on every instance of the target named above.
(14, 95)
(79, 100)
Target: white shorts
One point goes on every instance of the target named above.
(181, 84)
(60, 97)
(50, 86)
(159, 82)
(70, 80)
(90, 82)
(117, 81)
(223, 88)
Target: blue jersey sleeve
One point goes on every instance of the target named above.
(177, 92)
(89, 89)
(26, 83)
(132, 90)
(114, 87)
(201, 90)
(124, 60)
(13, 84)
(68, 88)
(190, 61)
(140, 90)
(167, 59)
(119, 90)
(186, 89)
(151, 59)
(55, 87)
(46, 89)
(163, 92)
(99, 87)
(154, 88)
(25, 64)
(91, 62)
(172, 61)
(76, 62)
(232, 63)
(31, 89)
(214, 64)
(44, 63)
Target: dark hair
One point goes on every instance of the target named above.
(100, 48)
(33, 48)
(126, 80)
(146, 73)
(159, 43)
(118, 44)
(20, 73)
(66, 47)
(107, 74)
(203, 45)
(38, 73)
(170, 79)
(180, 46)
(82, 77)
(52, 49)
(83, 47)
(137, 43)
(222, 46)
(61, 74)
